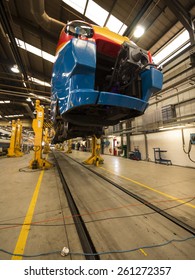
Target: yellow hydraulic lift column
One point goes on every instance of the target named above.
(38, 161)
(18, 139)
(46, 148)
(69, 151)
(95, 158)
(11, 149)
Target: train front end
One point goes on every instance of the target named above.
(99, 78)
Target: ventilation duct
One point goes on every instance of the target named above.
(51, 25)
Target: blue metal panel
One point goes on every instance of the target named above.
(73, 71)
(152, 80)
(119, 100)
(82, 97)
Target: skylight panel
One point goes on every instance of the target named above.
(77, 5)
(25, 46)
(171, 47)
(96, 13)
(176, 53)
(114, 24)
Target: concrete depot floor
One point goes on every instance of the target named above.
(165, 186)
(16, 192)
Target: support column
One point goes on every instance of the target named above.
(128, 144)
(146, 146)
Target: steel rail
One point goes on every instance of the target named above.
(173, 219)
(84, 236)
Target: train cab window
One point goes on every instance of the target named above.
(79, 28)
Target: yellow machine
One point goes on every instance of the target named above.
(11, 149)
(46, 140)
(95, 158)
(14, 149)
(38, 161)
(18, 152)
(69, 151)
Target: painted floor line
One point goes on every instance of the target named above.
(21, 243)
(150, 188)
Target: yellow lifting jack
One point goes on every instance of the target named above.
(95, 158)
(14, 149)
(46, 148)
(69, 151)
(37, 125)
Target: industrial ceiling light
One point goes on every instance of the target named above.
(139, 31)
(15, 69)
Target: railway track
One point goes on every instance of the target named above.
(87, 243)
(82, 231)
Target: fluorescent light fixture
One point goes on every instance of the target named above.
(114, 24)
(4, 101)
(139, 31)
(40, 82)
(15, 69)
(77, 5)
(96, 13)
(14, 116)
(171, 47)
(25, 46)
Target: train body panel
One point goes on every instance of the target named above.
(98, 80)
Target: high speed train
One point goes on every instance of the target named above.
(99, 78)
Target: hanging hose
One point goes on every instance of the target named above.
(189, 150)
(189, 147)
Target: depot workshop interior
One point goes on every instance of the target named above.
(97, 129)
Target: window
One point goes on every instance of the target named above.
(79, 28)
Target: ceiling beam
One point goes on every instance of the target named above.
(8, 30)
(183, 16)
